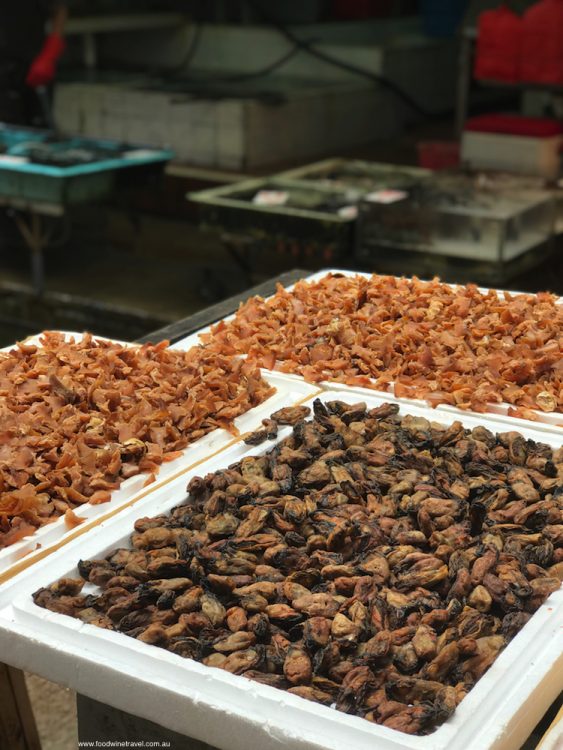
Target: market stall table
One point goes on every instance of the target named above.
(102, 722)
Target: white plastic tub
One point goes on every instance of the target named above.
(552, 418)
(233, 713)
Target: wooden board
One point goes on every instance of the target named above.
(17, 723)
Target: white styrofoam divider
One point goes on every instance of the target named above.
(35, 339)
(500, 417)
(552, 418)
(31, 548)
(233, 713)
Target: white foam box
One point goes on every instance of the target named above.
(512, 153)
(233, 713)
(33, 548)
(553, 419)
(230, 134)
(310, 120)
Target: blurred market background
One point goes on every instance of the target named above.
(187, 150)
(241, 100)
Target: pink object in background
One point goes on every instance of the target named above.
(499, 41)
(438, 154)
(542, 43)
(42, 69)
(535, 127)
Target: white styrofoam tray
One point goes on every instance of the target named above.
(552, 418)
(233, 713)
(31, 548)
(193, 338)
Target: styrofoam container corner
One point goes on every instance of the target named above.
(289, 391)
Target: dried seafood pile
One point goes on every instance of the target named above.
(77, 418)
(369, 562)
(446, 345)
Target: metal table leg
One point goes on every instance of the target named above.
(464, 79)
(37, 237)
(38, 270)
(237, 245)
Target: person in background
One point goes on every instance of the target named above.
(28, 56)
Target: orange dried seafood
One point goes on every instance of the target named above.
(79, 417)
(418, 339)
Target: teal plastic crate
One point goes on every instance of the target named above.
(38, 188)
(25, 180)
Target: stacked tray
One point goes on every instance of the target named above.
(225, 710)
(311, 216)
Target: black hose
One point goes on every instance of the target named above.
(308, 47)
